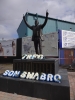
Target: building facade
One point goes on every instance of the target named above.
(52, 25)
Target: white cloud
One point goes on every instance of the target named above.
(11, 12)
(68, 17)
(4, 32)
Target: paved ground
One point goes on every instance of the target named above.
(8, 96)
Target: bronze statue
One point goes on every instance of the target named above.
(37, 33)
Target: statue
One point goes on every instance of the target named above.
(37, 33)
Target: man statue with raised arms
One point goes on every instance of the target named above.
(37, 33)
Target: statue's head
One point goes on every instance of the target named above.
(36, 22)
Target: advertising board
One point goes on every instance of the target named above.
(8, 47)
(66, 39)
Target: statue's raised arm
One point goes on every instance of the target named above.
(26, 22)
(46, 18)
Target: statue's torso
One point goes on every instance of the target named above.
(37, 31)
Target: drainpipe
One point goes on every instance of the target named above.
(57, 25)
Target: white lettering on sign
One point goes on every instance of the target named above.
(23, 75)
(43, 77)
(11, 73)
(35, 56)
(49, 77)
(33, 76)
(57, 78)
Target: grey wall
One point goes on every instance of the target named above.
(49, 45)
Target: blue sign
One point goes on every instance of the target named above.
(60, 38)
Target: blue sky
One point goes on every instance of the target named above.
(11, 13)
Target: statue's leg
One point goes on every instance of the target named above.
(40, 46)
(36, 46)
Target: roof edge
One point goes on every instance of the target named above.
(31, 14)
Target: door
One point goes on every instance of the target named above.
(69, 56)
